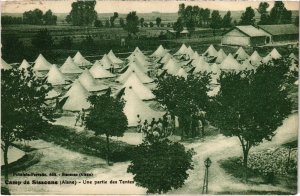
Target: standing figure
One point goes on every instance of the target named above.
(82, 117)
(77, 118)
(139, 123)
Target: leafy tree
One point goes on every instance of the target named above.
(132, 22)
(151, 24)
(158, 21)
(252, 105)
(160, 165)
(142, 20)
(216, 20)
(111, 121)
(181, 10)
(9, 20)
(23, 110)
(66, 43)
(107, 23)
(122, 23)
(297, 21)
(247, 17)
(49, 18)
(42, 40)
(178, 26)
(206, 15)
(83, 13)
(262, 9)
(279, 14)
(12, 48)
(113, 18)
(226, 21)
(98, 23)
(185, 99)
(34, 17)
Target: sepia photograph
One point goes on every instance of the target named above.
(109, 97)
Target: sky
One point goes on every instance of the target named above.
(109, 6)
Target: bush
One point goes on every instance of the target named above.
(86, 144)
(98, 23)
(160, 165)
(151, 24)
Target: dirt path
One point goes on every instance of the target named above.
(57, 159)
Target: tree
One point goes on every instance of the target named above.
(279, 14)
(49, 18)
(132, 22)
(142, 20)
(160, 165)
(186, 99)
(34, 17)
(24, 113)
(122, 23)
(297, 21)
(178, 26)
(12, 48)
(111, 121)
(9, 20)
(216, 20)
(98, 23)
(83, 13)
(151, 24)
(158, 21)
(42, 40)
(226, 21)
(206, 15)
(262, 9)
(113, 18)
(252, 105)
(247, 17)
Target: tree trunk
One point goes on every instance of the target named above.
(245, 161)
(108, 151)
(5, 154)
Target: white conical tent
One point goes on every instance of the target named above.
(52, 94)
(166, 58)
(77, 98)
(241, 54)
(159, 52)
(246, 65)
(195, 56)
(135, 106)
(293, 56)
(99, 72)
(202, 67)
(274, 54)
(137, 51)
(5, 65)
(230, 63)
(190, 52)
(182, 73)
(80, 60)
(24, 65)
(139, 65)
(41, 64)
(181, 50)
(215, 69)
(199, 62)
(255, 59)
(55, 77)
(172, 67)
(143, 92)
(140, 74)
(106, 62)
(89, 83)
(140, 60)
(211, 51)
(220, 56)
(113, 58)
(69, 67)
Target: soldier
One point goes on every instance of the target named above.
(77, 118)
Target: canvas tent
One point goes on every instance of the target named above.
(69, 67)
(241, 54)
(106, 62)
(220, 56)
(201, 67)
(140, 74)
(166, 58)
(135, 106)
(293, 56)
(80, 60)
(159, 52)
(255, 59)
(5, 65)
(52, 94)
(89, 83)
(24, 65)
(172, 67)
(55, 77)
(41, 64)
(113, 58)
(143, 92)
(211, 51)
(246, 65)
(182, 73)
(76, 98)
(99, 72)
(182, 50)
(215, 69)
(230, 63)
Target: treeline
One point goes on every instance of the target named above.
(32, 17)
